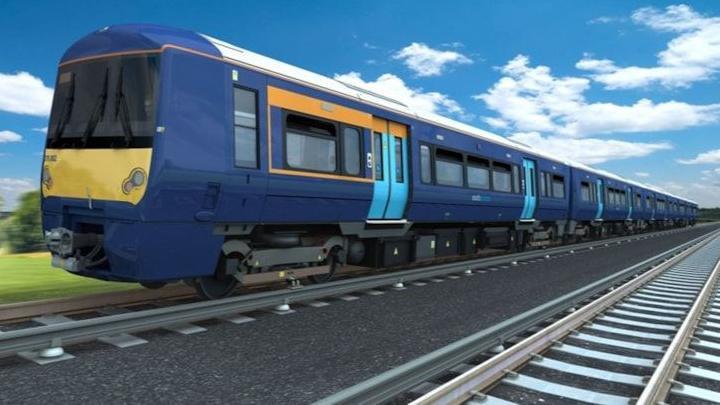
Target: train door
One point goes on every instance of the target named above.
(529, 185)
(630, 199)
(390, 165)
(600, 199)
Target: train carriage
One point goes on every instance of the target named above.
(176, 156)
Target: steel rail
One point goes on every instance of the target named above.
(58, 335)
(661, 381)
(394, 382)
(484, 375)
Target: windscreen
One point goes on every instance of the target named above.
(105, 103)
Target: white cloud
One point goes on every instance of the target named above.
(43, 130)
(394, 87)
(12, 188)
(605, 20)
(530, 98)
(642, 174)
(711, 156)
(706, 194)
(693, 55)
(588, 150)
(711, 176)
(426, 61)
(23, 93)
(10, 136)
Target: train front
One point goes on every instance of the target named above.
(99, 154)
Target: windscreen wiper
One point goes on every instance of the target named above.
(98, 111)
(122, 111)
(67, 111)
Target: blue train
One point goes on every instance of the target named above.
(172, 156)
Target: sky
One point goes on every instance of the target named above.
(628, 86)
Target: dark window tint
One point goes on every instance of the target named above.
(558, 186)
(478, 173)
(425, 164)
(310, 144)
(502, 177)
(108, 102)
(399, 175)
(516, 178)
(543, 184)
(378, 155)
(448, 168)
(351, 150)
(245, 121)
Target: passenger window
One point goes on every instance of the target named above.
(425, 164)
(478, 173)
(378, 155)
(448, 168)
(310, 144)
(351, 150)
(558, 186)
(516, 178)
(543, 184)
(501, 177)
(399, 175)
(245, 125)
(585, 191)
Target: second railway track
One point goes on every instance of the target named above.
(656, 336)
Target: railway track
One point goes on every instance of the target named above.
(659, 328)
(179, 293)
(46, 343)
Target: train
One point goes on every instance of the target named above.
(174, 156)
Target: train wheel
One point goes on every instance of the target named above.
(333, 262)
(211, 288)
(153, 285)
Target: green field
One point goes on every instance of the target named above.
(27, 277)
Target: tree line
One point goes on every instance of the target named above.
(22, 230)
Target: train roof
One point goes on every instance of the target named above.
(119, 38)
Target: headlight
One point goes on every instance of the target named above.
(136, 179)
(46, 177)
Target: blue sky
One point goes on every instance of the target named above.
(631, 87)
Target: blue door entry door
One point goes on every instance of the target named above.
(600, 199)
(529, 183)
(390, 165)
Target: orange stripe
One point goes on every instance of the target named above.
(320, 175)
(398, 130)
(319, 108)
(380, 125)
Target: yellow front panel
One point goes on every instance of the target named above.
(319, 108)
(95, 173)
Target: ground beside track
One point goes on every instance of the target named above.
(307, 355)
(29, 276)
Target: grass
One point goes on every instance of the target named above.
(28, 277)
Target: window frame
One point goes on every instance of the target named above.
(257, 126)
(589, 191)
(431, 163)
(339, 144)
(360, 151)
(478, 166)
(462, 163)
(508, 170)
(553, 177)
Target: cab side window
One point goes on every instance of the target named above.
(245, 125)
